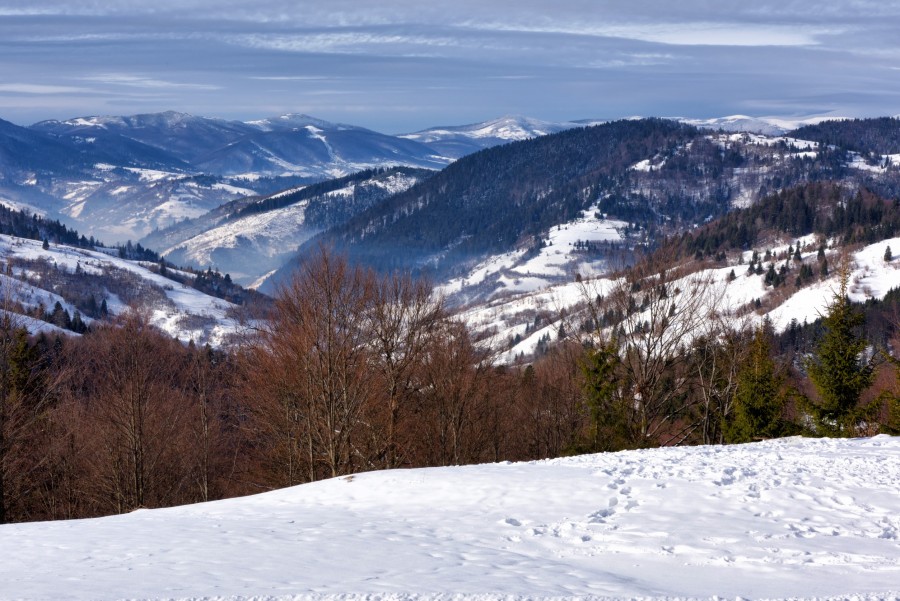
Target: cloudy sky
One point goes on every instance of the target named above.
(403, 65)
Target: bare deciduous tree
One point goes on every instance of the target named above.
(402, 321)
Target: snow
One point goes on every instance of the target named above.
(500, 319)
(885, 162)
(516, 271)
(153, 175)
(507, 128)
(763, 125)
(796, 146)
(784, 519)
(21, 206)
(183, 302)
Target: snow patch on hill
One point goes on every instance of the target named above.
(563, 253)
(186, 313)
(784, 519)
(515, 325)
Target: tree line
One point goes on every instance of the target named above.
(356, 371)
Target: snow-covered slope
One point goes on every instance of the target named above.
(785, 519)
(566, 249)
(249, 246)
(313, 148)
(179, 310)
(515, 324)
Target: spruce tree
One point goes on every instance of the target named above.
(609, 416)
(757, 403)
(838, 370)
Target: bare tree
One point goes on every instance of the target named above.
(311, 369)
(455, 374)
(718, 352)
(127, 377)
(402, 321)
(653, 316)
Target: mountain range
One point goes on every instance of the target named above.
(505, 218)
(121, 177)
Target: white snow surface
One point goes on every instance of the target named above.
(784, 519)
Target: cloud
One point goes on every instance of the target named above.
(33, 88)
(685, 34)
(134, 81)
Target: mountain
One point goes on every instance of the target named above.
(816, 516)
(88, 282)
(184, 136)
(252, 237)
(770, 126)
(315, 148)
(866, 136)
(122, 177)
(458, 141)
(289, 144)
(775, 263)
(529, 214)
(25, 154)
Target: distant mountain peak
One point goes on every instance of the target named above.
(291, 121)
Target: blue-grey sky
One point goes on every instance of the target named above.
(402, 65)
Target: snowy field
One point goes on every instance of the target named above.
(793, 518)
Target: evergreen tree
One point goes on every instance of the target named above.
(837, 369)
(888, 255)
(757, 402)
(609, 415)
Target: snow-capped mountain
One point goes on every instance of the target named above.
(122, 177)
(770, 126)
(315, 148)
(458, 141)
(184, 136)
(794, 518)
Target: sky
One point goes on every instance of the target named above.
(403, 65)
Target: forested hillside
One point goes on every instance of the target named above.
(879, 136)
(660, 177)
(493, 199)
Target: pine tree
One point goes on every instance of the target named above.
(888, 255)
(837, 369)
(757, 402)
(609, 415)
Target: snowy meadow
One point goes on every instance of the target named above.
(783, 519)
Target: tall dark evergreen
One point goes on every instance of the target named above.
(609, 417)
(838, 369)
(757, 402)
